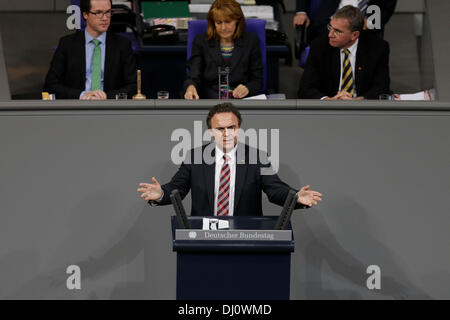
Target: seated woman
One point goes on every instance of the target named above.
(226, 43)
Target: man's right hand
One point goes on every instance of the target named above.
(94, 95)
(341, 95)
(300, 19)
(191, 93)
(150, 191)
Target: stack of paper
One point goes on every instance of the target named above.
(418, 96)
(258, 97)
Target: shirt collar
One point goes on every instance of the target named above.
(231, 153)
(353, 48)
(89, 38)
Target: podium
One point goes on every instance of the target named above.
(248, 261)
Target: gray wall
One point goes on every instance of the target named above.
(437, 18)
(34, 5)
(4, 84)
(68, 196)
(427, 66)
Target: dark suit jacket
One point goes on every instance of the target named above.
(249, 184)
(246, 65)
(322, 73)
(67, 75)
(328, 7)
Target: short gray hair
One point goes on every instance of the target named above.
(353, 15)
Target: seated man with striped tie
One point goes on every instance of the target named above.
(348, 63)
(321, 12)
(222, 178)
(92, 64)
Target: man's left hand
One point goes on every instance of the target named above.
(308, 197)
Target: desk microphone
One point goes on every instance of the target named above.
(286, 212)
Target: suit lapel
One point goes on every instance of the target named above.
(81, 54)
(109, 62)
(360, 62)
(216, 55)
(335, 69)
(237, 53)
(241, 174)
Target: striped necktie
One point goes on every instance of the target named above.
(223, 198)
(347, 74)
(362, 5)
(96, 78)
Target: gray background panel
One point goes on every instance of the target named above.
(4, 84)
(28, 5)
(437, 18)
(68, 196)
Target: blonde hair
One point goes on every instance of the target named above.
(225, 9)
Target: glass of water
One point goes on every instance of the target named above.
(386, 96)
(163, 95)
(121, 96)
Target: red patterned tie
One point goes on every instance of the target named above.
(224, 189)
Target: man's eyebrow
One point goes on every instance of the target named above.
(336, 29)
(233, 125)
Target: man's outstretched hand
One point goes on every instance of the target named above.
(308, 197)
(150, 191)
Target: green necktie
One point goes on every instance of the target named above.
(96, 78)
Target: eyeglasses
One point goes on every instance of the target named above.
(335, 31)
(230, 130)
(101, 14)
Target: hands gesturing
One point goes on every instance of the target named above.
(150, 191)
(308, 197)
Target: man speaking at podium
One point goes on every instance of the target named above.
(231, 185)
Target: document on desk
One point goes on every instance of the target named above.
(258, 97)
(418, 96)
(258, 12)
(215, 224)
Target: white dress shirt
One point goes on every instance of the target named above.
(353, 49)
(232, 164)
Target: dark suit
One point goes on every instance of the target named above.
(249, 184)
(322, 73)
(67, 75)
(328, 7)
(206, 57)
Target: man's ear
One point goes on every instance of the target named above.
(355, 35)
(211, 133)
(85, 15)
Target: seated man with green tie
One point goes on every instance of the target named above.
(92, 64)
(348, 63)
